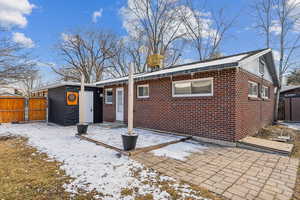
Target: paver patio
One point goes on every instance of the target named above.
(234, 173)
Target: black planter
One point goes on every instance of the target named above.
(82, 128)
(129, 141)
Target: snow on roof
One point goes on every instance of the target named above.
(181, 68)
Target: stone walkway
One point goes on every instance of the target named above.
(232, 172)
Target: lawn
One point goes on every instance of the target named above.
(28, 174)
(52, 162)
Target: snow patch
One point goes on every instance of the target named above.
(96, 167)
(292, 125)
(179, 151)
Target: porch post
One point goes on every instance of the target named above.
(81, 101)
(130, 99)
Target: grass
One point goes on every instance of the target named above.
(168, 186)
(272, 131)
(29, 175)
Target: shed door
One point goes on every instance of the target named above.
(119, 104)
(89, 106)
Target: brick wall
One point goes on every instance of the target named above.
(252, 113)
(220, 116)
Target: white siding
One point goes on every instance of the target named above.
(253, 67)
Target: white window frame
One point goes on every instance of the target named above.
(263, 93)
(251, 95)
(261, 64)
(137, 92)
(106, 90)
(194, 95)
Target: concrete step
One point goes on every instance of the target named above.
(264, 145)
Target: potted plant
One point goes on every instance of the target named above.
(82, 126)
(129, 139)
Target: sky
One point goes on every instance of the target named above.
(39, 24)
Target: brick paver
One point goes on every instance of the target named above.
(232, 172)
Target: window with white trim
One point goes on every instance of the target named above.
(108, 96)
(143, 91)
(190, 88)
(265, 92)
(252, 89)
(261, 66)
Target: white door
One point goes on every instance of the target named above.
(119, 104)
(89, 106)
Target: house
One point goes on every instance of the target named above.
(9, 91)
(63, 103)
(290, 103)
(222, 99)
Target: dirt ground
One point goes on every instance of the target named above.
(277, 130)
(29, 175)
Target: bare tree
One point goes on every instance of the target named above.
(15, 61)
(294, 77)
(282, 24)
(205, 30)
(30, 82)
(86, 52)
(160, 24)
(263, 14)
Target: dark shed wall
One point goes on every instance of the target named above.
(63, 114)
(71, 112)
(56, 101)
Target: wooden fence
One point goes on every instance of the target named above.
(12, 109)
(20, 109)
(37, 108)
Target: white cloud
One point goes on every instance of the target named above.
(132, 24)
(13, 12)
(275, 27)
(21, 39)
(96, 15)
(276, 55)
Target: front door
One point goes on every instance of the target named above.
(119, 104)
(89, 107)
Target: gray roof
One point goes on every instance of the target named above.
(289, 87)
(60, 84)
(225, 62)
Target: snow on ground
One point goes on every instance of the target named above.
(292, 125)
(113, 136)
(92, 166)
(179, 151)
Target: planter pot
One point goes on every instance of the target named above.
(129, 141)
(82, 128)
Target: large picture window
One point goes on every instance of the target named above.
(252, 89)
(109, 96)
(190, 88)
(143, 91)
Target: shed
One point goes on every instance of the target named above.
(290, 103)
(63, 103)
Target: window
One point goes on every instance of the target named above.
(109, 96)
(252, 89)
(190, 88)
(261, 66)
(265, 92)
(143, 91)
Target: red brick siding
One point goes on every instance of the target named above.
(252, 114)
(201, 116)
(109, 109)
(227, 115)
